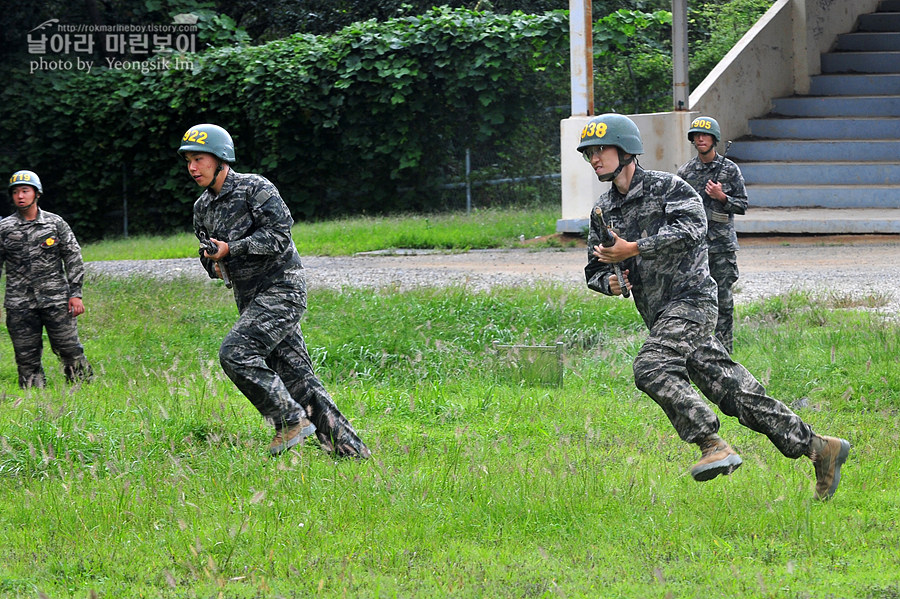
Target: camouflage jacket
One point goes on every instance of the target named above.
(665, 216)
(43, 261)
(720, 235)
(249, 214)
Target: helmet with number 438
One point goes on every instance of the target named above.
(705, 124)
(612, 130)
(208, 138)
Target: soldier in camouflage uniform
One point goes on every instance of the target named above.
(264, 354)
(44, 277)
(720, 184)
(659, 229)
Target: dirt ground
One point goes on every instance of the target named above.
(810, 253)
(846, 265)
(865, 266)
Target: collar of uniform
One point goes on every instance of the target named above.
(37, 219)
(227, 185)
(635, 190)
(711, 164)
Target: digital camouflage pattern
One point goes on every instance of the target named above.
(264, 354)
(44, 269)
(724, 270)
(676, 297)
(663, 214)
(721, 236)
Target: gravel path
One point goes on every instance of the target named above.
(855, 266)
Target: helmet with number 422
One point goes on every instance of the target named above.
(25, 178)
(612, 130)
(208, 138)
(705, 124)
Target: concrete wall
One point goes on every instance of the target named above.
(758, 68)
(775, 58)
(817, 25)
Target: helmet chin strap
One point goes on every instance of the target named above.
(215, 175)
(622, 164)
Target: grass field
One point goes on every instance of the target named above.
(153, 480)
(488, 228)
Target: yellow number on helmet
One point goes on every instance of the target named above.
(593, 130)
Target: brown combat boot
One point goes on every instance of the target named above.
(289, 436)
(828, 455)
(718, 458)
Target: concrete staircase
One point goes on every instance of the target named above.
(829, 162)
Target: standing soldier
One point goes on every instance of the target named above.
(719, 182)
(659, 229)
(44, 277)
(245, 229)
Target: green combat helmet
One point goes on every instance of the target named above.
(612, 130)
(208, 138)
(25, 178)
(705, 124)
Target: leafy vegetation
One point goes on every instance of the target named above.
(359, 121)
(493, 228)
(374, 117)
(479, 486)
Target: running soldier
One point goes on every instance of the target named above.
(720, 184)
(264, 354)
(667, 270)
(44, 278)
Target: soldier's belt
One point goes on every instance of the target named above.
(718, 217)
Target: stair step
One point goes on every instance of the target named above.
(821, 221)
(861, 62)
(829, 161)
(879, 21)
(825, 150)
(829, 173)
(863, 84)
(826, 128)
(869, 41)
(837, 105)
(824, 196)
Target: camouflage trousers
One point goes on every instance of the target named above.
(679, 352)
(26, 328)
(265, 356)
(724, 269)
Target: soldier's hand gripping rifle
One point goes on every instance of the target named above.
(211, 247)
(607, 241)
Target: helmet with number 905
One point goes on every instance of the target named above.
(208, 138)
(612, 130)
(705, 124)
(25, 178)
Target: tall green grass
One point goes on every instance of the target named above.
(487, 228)
(153, 480)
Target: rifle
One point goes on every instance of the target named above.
(211, 247)
(607, 240)
(715, 177)
(719, 217)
